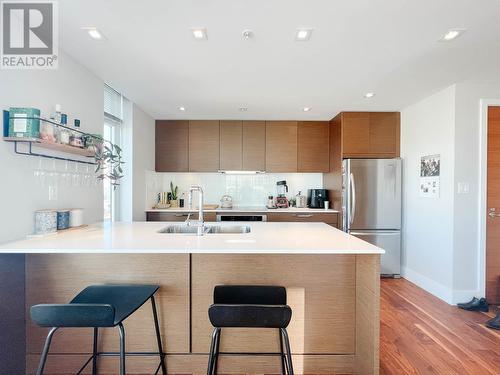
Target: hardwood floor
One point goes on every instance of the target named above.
(420, 334)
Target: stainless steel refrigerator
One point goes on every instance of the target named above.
(371, 206)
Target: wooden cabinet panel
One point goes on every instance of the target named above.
(330, 218)
(57, 278)
(204, 139)
(171, 146)
(177, 216)
(384, 133)
(315, 285)
(313, 146)
(355, 133)
(231, 145)
(281, 146)
(254, 145)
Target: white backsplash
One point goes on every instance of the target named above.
(246, 190)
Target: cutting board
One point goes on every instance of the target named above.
(210, 206)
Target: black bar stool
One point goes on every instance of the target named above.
(249, 306)
(99, 306)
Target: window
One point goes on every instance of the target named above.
(113, 119)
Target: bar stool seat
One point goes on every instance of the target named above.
(98, 306)
(250, 306)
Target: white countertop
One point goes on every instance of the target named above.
(143, 237)
(249, 210)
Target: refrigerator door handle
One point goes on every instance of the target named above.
(352, 209)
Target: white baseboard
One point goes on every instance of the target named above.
(431, 286)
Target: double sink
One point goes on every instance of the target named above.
(209, 229)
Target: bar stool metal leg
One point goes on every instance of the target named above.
(211, 355)
(94, 352)
(282, 359)
(288, 351)
(122, 348)
(216, 354)
(158, 338)
(45, 351)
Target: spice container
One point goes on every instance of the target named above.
(45, 221)
(62, 219)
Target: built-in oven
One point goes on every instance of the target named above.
(241, 217)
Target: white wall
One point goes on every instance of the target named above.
(427, 128)
(144, 159)
(441, 236)
(246, 190)
(81, 95)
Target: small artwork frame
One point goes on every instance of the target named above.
(430, 172)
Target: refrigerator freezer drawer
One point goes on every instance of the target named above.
(390, 241)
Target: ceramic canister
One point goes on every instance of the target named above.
(75, 217)
(45, 221)
(62, 219)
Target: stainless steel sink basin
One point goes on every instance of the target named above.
(229, 229)
(209, 229)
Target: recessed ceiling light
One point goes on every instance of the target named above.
(182, 109)
(303, 34)
(306, 109)
(242, 109)
(369, 95)
(199, 33)
(451, 35)
(93, 32)
(247, 34)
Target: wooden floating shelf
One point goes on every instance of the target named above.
(53, 146)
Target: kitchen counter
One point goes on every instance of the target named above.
(248, 209)
(143, 237)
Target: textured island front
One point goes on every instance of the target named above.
(332, 282)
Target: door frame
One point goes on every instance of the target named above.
(483, 186)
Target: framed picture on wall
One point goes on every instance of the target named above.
(430, 170)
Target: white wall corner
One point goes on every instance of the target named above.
(439, 290)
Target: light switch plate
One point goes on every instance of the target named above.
(463, 188)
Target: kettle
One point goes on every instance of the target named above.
(226, 201)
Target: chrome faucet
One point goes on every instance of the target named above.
(200, 223)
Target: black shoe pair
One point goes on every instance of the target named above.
(494, 323)
(475, 304)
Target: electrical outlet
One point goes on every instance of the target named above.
(463, 188)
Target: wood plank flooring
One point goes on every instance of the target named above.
(420, 334)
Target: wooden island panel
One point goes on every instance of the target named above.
(320, 289)
(57, 278)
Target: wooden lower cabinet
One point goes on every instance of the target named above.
(334, 299)
(177, 216)
(320, 291)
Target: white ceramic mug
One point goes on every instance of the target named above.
(327, 205)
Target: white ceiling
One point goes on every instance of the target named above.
(386, 46)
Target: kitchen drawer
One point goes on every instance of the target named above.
(330, 218)
(177, 216)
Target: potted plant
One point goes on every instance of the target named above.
(108, 158)
(174, 201)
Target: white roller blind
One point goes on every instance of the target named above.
(113, 104)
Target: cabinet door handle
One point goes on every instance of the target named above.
(304, 215)
(181, 215)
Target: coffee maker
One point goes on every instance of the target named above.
(316, 198)
(281, 199)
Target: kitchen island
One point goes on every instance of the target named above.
(332, 281)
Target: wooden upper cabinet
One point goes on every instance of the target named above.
(385, 133)
(281, 146)
(204, 139)
(313, 146)
(231, 145)
(171, 146)
(370, 134)
(254, 146)
(355, 133)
